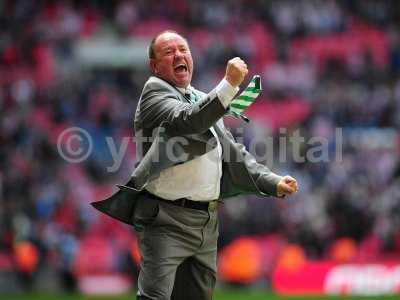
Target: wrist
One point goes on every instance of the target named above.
(231, 81)
(279, 191)
(226, 92)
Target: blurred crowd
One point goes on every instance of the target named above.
(324, 65)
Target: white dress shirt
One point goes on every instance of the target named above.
(199, 178)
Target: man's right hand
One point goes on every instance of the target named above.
(236, 71)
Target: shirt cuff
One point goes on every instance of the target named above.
(225, 92)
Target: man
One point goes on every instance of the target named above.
(191, 162)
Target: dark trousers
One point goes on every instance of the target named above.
(179, 250)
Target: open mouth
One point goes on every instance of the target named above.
(180, 68)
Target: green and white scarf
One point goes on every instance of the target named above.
(246, 98)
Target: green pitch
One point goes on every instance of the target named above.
(219, 295)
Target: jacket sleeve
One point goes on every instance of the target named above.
(159, 105)
(263, 178)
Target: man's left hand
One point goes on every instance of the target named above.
(287, 186)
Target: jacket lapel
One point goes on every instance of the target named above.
(202, 137)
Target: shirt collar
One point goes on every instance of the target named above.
(185, 90)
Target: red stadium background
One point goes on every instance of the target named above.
(325, 66)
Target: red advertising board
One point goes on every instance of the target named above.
(325, 277)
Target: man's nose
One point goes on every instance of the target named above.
(178, 54)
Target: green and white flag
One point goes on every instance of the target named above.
(246, 98)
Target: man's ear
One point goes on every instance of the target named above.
(153, 65)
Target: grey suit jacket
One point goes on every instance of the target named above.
(178, 131)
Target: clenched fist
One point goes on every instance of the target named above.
(236, 71)
(287, 186)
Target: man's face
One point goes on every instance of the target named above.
(173, 61)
